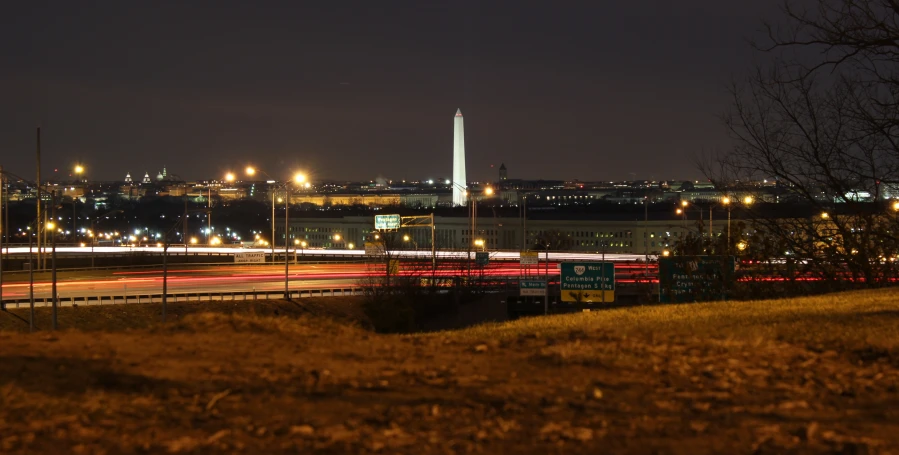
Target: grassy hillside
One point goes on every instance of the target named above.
(811, 375)
(858, 318)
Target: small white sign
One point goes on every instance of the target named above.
(249, 257)
(529, 258)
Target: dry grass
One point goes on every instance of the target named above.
(868, 318)
(808, 375)
(115, 318)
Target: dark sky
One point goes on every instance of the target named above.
(360, 89)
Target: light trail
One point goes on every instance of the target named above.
(180, 250)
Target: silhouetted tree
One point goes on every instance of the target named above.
(820, 116)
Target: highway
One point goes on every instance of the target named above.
(177, 250)
(195, 278)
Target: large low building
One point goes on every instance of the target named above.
(612, 234)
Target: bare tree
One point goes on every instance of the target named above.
(820, 117)
(552, 240)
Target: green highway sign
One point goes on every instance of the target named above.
(387, 222)
(695, 278)
(481, 258)
(588, 282)
(532, 287)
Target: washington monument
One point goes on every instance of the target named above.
(460, 185)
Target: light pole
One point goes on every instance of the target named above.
(299, 179)
(473, 218)
(302, 245)
(727, 201)
(79, 169)
(646, 234)
(2, 233)
(251, 171)
(407, 238)
(50, 225)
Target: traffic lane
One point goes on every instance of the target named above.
(303, 272)
(19, 277)
(232, 270)
(155, 287)
(225, 278)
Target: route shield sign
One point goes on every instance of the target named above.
(387, 222)
(532, 287)
(695, 278)
(528, 258)
(591, 282)
(481, 258)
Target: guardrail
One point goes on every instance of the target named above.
(181, 265)
(185, 297)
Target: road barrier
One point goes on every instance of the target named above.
(186, 297)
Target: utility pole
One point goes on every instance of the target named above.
(433, 246)
(286, 239)
(209, 214)
(470, 233)
(39, 224)
(165, 274)
(2, 233)
(524, 225)
(31, 283)
(273, 223)
(646, 234)
(546, 293)
(53, 260)
(184, 238)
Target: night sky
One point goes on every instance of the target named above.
(356, 90)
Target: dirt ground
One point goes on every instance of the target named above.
(619, 381)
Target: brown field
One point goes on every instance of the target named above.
(807, 375)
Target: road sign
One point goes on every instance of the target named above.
(394, 266)
(249, 257)
(695, 278)
(374, 248)
(387, 222)
(532, 287)
(528, 258)
(590, 282)
(482, 258)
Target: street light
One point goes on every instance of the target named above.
(79, 169)
(251, 171)
(298, 178)
(407, 238)
(302, 244)
(229, 177)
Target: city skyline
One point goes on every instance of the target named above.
(583, 92)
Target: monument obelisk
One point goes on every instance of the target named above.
(459, 184)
